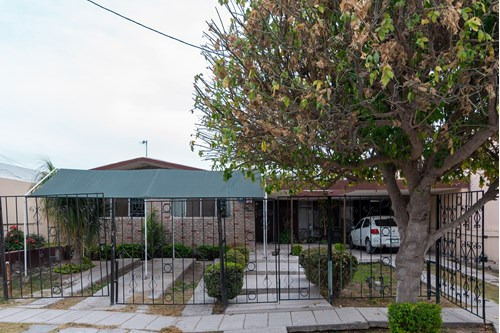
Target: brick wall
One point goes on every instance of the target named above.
(193, 231)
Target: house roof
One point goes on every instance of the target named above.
(17, 173)
(159, 183)
(144, 163)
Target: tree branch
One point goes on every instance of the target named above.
(491, 194)
(398, 202)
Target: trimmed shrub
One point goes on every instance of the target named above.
(130, 251)
(245, 251)
(315, 264)
(339, 247)
(181, 251)
(234, 278)
(415, 317)
(236, 256)
(296, 250)
(207, 252)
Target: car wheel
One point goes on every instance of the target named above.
(369, 248)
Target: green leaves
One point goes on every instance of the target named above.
(421, 42)
(473, 23)
(386, 26)
(433, 15)
(387, 75)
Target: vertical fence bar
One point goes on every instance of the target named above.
(482, 263)
(330, 264)
(438, 252)
(113, 252)
(221, 252)
(2, 256)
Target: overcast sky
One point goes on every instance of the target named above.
(83, 87)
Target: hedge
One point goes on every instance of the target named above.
(415, 317)
(236, 256)
(234, 278)
(315, 264)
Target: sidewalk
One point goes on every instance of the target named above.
(347, 318)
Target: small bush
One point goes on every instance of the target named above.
(130, 250)
(315, 264)
(415, 317)
(245, 251)
(75, 268)
(236, 256)
(14, 239)
(35, 241)
(234, 278)
(206, 252)
(285, 236)
(100, 252)
(181, 251)
(296, 249)
(155, 234)
(339, 247)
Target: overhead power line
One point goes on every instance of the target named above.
(149, 28)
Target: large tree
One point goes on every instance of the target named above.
(313, 91)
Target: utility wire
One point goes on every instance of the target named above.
(152, 29)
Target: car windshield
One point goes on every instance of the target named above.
(385, 223)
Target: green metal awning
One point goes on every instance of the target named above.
(152, 183)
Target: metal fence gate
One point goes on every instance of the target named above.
(64, 236)
(460, 253)
(142, 251)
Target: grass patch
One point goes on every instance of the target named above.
(170, 329)
(75, 325)
(13, 327)
(382, 279)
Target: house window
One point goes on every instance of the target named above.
(136, 207)
(197, 208)
(133, 207)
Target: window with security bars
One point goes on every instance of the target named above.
(197, 208)
(133, 207)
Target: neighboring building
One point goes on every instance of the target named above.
(15, 182)
(141, 163)
(491, 245)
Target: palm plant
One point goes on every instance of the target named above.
(78, 219)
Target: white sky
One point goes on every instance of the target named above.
(83, 87)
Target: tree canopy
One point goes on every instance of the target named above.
(319, 90)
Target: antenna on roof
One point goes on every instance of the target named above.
(145, 142)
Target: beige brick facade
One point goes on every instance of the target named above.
(193, 231)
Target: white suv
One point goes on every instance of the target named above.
(375, 232)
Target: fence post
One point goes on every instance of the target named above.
(2, 256)
(113, 253)
(9, 278)
(222, 243)
(429, 286)
(438, 253)
(330, 263)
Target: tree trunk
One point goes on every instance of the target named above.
(410, 261)
(413, 238)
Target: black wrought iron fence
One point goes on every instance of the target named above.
(46, 244)
(238, 250)
(460, 253)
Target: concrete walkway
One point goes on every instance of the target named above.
(300, 320)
